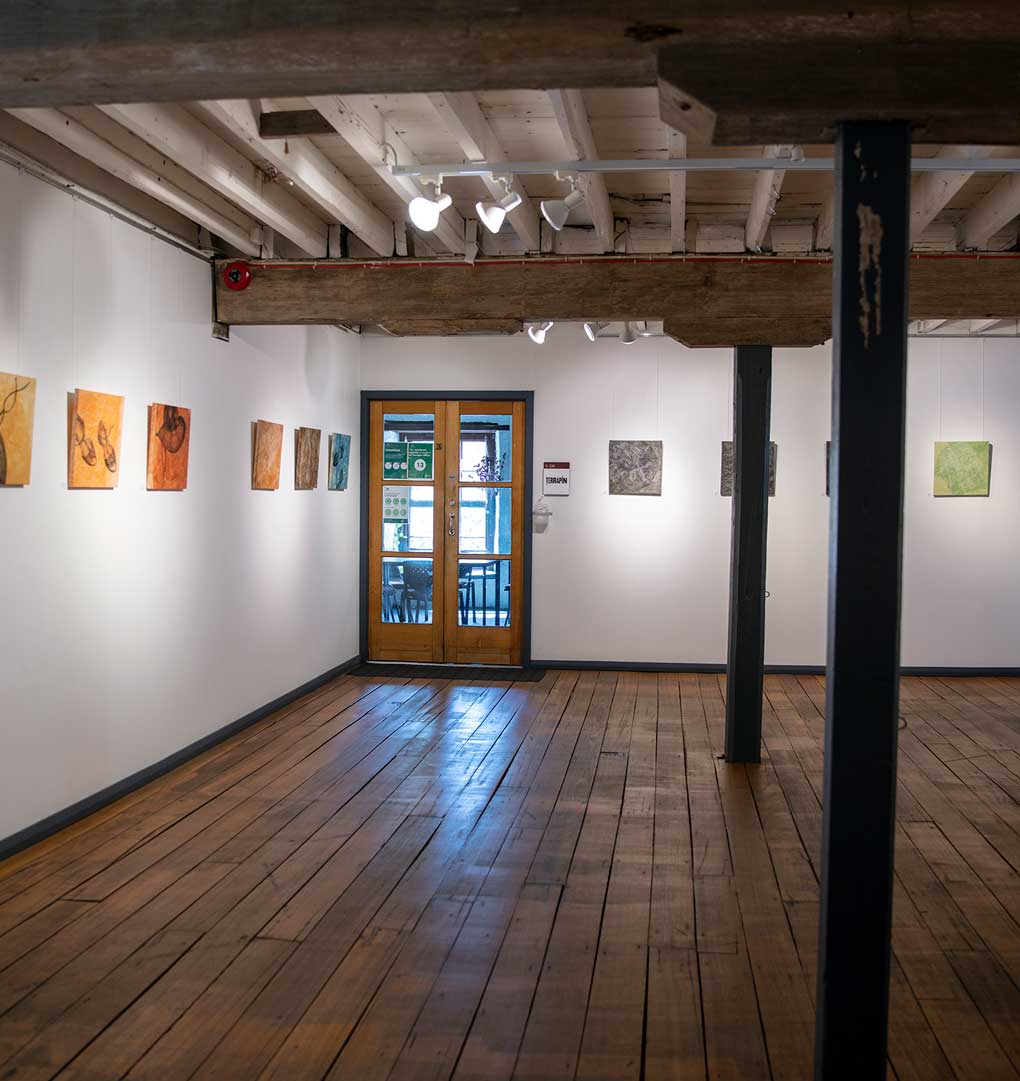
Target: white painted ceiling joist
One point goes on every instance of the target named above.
(87, 144)
(309, 170)
(363, 127)
(191, 144)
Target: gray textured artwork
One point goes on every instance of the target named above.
(635, 467)
(726, 474)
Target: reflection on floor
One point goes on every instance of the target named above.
(559, 879)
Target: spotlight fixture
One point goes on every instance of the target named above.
(591, 330)
(629, 335)
(492, 215)
(424, 212)
(556, 211)
(538, 331)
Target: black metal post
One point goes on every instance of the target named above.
(745, 664)
(870, 272)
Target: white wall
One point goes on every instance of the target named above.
(646, 579)
(133, 623)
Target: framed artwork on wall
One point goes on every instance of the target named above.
(339, 461)
(166, 468)
(95, 423)
(306, 458)
(635, 467)
(17, 415)
(962, 469)
(267, 449)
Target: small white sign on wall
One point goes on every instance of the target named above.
(556, 478)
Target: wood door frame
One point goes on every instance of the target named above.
(526, 396)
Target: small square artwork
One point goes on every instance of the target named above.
(306, 458)
(726, 471)
(95, 422)
(169, 444)
(962, 469)
(339, 461)
(635, 467)
(17, 413)
(267, 448)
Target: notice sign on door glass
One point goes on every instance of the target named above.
(394, 460)
(556, 478)
(395, 506)
(419, 461)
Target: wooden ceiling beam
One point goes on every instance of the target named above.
(932, 192)
(572, 120)
(53, 54)
(677, 143)
(464, 120)
(288, 123)
(767, 184)
(700, 333)
(769, 290)
(741, 94)
(188, 142)
(79, 139)
(442, 327)
(991, 213)
(365, 130)
(309, 170)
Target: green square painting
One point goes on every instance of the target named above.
(962, 468)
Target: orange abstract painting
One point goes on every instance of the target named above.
(17, 413)
(169, 444)
(267, 447)
(95, 422)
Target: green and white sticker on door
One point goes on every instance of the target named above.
(395, 508)
(394, 460)
(419, 461)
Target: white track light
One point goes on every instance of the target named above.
(493, 214)
(424, 212)
(629, 335)
(591, 330)
(556, 211)
(538, 331)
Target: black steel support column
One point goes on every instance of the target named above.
(745, 664)
(871, 252)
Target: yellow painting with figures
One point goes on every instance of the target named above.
(95, 422)
(17, 414)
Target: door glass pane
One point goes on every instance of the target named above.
(483, 593)
(486, 447)
(406, 590)
(407, 517)
(408, 445)
(485, 520)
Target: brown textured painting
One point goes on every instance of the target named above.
(306, 458)
(169, 443)
(267, 448)
(17, 411)
(95, 422)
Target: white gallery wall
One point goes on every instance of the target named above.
(133, 623)
(637, 578)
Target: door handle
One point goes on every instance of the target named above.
(453, 529)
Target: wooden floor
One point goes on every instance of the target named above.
(548, 880)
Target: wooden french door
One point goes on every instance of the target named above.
(446, 531)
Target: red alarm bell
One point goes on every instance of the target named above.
(237, 276)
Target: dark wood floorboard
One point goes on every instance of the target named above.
(432, 880)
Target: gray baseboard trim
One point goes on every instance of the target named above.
(59, 820)
(963, 672)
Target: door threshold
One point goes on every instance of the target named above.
(490, 673)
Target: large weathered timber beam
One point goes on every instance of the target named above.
(766, 289)
(54, 53)
(728, 93)
(717, 331)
